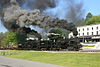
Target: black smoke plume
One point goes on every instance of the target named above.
(40, 4)
(76, 13)
(15, 19)
(70, 10)
(31, 4)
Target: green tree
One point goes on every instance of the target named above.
(21, 38)
(61, 32)
(3, 42)
(2, 38)
(15, 38)
(56, 31)
(89, 15)
(11, 39)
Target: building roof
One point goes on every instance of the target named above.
(89, 25)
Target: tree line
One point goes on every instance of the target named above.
(9, 39)
(90, 19)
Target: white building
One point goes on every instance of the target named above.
(88, 33)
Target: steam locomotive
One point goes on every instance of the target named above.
(52, 44)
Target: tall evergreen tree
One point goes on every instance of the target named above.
(89, 15)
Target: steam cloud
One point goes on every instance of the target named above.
(15, 19)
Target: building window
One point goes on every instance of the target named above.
(97, 28)
(83, 29)
(92, 28)
(83, 34)
(87, 28)
(92, 33)
(79, 30)
(79, 34)
(87, 33)
(97, 32)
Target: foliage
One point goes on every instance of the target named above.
(56, 31)
(3, 38)
(89, 15)
(15, 38)
(76, 59)
(61, 32)
(3, 42)
(93, 20)
(21, 38)
(11, 38)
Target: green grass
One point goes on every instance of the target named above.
(89, 46)
(65, 59)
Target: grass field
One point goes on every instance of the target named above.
(65, 59)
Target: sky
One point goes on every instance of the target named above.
(92, 6)
(2, 28)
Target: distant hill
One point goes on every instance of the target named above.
(93, 20)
